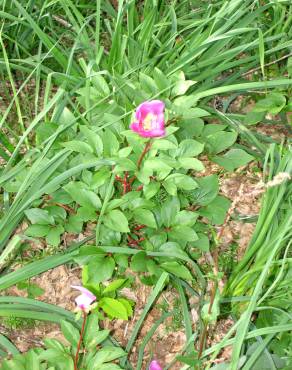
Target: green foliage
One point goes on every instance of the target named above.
(274, 103)
(17, 323)
(59, 356)
(73, 74)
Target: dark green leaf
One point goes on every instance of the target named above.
(216, 210)
(37, 231)
(39, 216)
(233, 159)
(207, 191)
(53, 236)
(182, 232)
(151, 189)
(138, 262)
(169, 210)
(83, 196)
(220, 141)
(144, 217)
(100, 269)
(191, 163)
(189, 148)
(113, 286)
(177, 269)
(117, 221)
(78, 146)
(273, 103)
(70, 333)
(188, 218)
(74, 224)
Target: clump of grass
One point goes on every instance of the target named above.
(176, 321)
(18, 323)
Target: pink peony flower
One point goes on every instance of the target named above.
(150, 119)
(85, 299)
(154, 365)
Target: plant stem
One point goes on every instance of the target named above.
(204, 334)
(125, 183)
(145, 151)
(202, 340)
(80, 341)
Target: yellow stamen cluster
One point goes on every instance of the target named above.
(148, 122)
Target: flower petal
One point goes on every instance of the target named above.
(150, 116)
(152, 133)
(135, 127)
(153, 106)
(83, 301)
(84, 291)
(154, 365)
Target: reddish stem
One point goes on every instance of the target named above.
(132, 179)
(139, 227)
(131, 241)
(145, 151)
(80, 341)
(118, 178)
(139, 162)
(67, 208)
(125, 183)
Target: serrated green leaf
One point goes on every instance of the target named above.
(216, 210)
(113, 308)
(184, 217)
(156, 164)
(100, 84)
(114, 285)
(74, 224)
(127, 305)
(173, 249)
